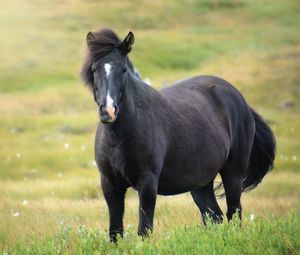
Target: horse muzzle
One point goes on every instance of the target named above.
(108, 113)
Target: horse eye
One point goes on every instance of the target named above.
(93, 69)
(124, 70)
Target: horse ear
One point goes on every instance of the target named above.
(127, 43)
(89, 38)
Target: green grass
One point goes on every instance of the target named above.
(261, 236)
(50, 200)
(44, 40)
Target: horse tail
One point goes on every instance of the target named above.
(262, 154)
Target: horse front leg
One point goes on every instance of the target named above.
(147, 190)
(114, 197)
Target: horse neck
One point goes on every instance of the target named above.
(138, 101)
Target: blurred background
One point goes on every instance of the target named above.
(48, 118)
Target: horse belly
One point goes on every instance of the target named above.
(191, 168)
(179, 178)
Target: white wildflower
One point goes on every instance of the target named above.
(16, 214)
(294, 158)
(66, 146)
(148, 81)
(18, 154)
(25, 202)
(252, 217)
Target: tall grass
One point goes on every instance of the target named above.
(258, 236)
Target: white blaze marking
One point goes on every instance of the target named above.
(109, 100)
(110, 106)
(107, 68)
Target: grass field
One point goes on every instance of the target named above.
(50, 201)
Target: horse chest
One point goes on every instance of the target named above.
(129, 164)
(129, 155)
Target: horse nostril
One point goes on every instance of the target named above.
(102, 108)
(116, 109)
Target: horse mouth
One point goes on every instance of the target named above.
(107, 119)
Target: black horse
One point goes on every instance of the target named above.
(173, 140)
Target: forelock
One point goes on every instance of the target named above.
(103, 43)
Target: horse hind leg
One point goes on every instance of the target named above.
(205, 199)
(232, 181)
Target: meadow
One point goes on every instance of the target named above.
(50, 198)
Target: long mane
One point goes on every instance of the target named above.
(102, 43)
